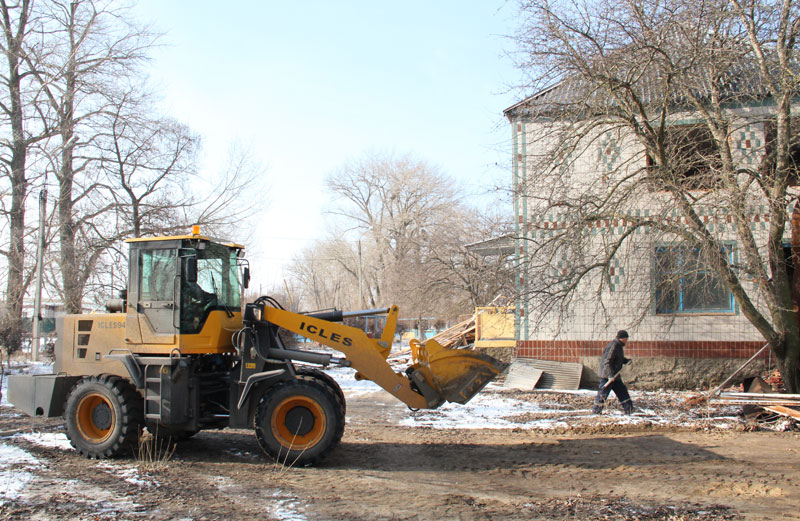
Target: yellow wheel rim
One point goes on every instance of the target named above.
(298, 422)
(95, 417)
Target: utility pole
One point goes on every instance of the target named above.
(37, 305)
(360, 278)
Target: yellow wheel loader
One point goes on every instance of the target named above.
(178, 354)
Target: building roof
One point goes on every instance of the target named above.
(503, 245)
(590, 95)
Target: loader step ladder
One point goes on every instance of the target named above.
(152, 392)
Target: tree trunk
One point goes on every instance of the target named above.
(66, 233)
(790, 370)
(11, 329)
(72, 287)
(789, 365)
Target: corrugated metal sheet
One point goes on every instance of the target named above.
(579, 93)
(522, 376)
(564, 376)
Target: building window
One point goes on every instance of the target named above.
(693, 158)
(683, 284)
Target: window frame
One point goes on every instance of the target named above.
(698, 176)
(682, 288)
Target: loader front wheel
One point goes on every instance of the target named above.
(327, 380)
(297, 422)
(103, 416)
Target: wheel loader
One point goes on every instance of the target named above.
(178, 353)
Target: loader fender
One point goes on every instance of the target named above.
(256, 378)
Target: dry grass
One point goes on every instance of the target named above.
(154, 453)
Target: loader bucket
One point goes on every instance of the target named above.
(455, 374)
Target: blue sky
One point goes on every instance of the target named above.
(309, 84)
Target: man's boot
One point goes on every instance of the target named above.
(627, 407)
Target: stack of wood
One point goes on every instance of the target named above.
(759, 394)
(461, 334)
(778, 403)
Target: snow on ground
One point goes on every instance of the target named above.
(499, 408)
(16, 467)
(487, 410)
(52, 440)
(128, 472)
(493, 408)
(285, 508)
(346, 378)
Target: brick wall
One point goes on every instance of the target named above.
(577, 350)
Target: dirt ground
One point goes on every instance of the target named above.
(385, 470)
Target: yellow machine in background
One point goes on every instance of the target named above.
(176, 354)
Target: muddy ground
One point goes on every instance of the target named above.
(587, 468)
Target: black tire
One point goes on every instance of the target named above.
(327, 380)
(104, 417)
(299, 421)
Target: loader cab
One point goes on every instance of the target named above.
(183, 292)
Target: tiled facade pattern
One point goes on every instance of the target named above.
(712, 336)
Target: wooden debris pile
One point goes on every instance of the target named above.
(758, 396)
(787, 405)
(460, 335)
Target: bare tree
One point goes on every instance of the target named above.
(148, 163)
(226, 200)
(655, 95)
(19, 106)
(399, 238)
(91, 47)
(326, 276)
(470, 278)
(393, 203)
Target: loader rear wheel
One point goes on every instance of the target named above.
(103, 416)
(297, 422)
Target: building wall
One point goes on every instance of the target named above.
(719, 337)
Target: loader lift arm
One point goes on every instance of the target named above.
(436, 374)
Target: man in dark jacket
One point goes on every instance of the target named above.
(610, 365)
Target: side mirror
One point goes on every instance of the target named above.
(246, 278)
(191, 269)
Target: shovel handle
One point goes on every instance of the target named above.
(611, 380)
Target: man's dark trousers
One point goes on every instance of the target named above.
(620, 391)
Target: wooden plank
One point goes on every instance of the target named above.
(731, 377)
(785, 411)
(783, 396)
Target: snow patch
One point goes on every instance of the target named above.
(285, 509)
(128, 473)
(51, 440)
(11, 455)
(485, 411)
(346, 378)
(13, 481)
